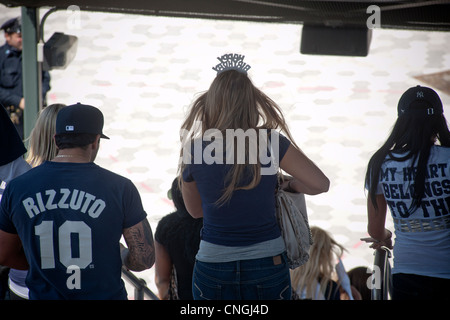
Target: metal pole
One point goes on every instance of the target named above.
(140, 286)
(31, 69)
(138, 293)
(380, 291)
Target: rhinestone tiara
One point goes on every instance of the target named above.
(231, 61)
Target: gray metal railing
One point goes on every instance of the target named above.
(381, 275)
(140, 286)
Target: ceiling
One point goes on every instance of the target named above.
(412, 14)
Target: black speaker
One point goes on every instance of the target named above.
(59, 51)
(340, 41)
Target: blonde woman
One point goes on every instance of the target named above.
(317, 279)
(41, 145)
(41, 148)
(241, 253)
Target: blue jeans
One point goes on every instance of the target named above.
(257, 279)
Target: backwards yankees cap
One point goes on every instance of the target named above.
(80, 118)
(420, 100)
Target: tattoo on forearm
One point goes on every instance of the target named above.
(139, 239)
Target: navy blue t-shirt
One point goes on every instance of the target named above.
(70, 218)
(249, 216)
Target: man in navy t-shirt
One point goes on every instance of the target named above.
(64, 219)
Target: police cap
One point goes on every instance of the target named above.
(12, 26)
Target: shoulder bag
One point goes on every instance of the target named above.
(293, 221)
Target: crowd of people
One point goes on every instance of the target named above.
(62, 217)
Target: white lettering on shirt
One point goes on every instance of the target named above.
(64, 199)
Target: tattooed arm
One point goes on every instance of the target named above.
(140, 254)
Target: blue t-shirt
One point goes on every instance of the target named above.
(249, 216)
(70, 218)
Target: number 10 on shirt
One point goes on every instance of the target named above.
(69, 231)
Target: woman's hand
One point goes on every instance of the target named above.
(377, 244)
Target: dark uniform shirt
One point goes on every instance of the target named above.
(70, 223)
(11, 88)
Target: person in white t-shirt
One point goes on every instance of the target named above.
(410, 175)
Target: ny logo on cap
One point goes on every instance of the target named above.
(69, 128)
(420, 94)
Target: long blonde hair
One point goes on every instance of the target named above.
(41, 144)
(233, 102)
(319, 269)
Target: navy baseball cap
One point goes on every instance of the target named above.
(420, 100)
(80, 118)
(12, 25)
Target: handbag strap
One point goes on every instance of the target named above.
(280, 179)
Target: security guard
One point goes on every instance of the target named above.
(11, 88)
